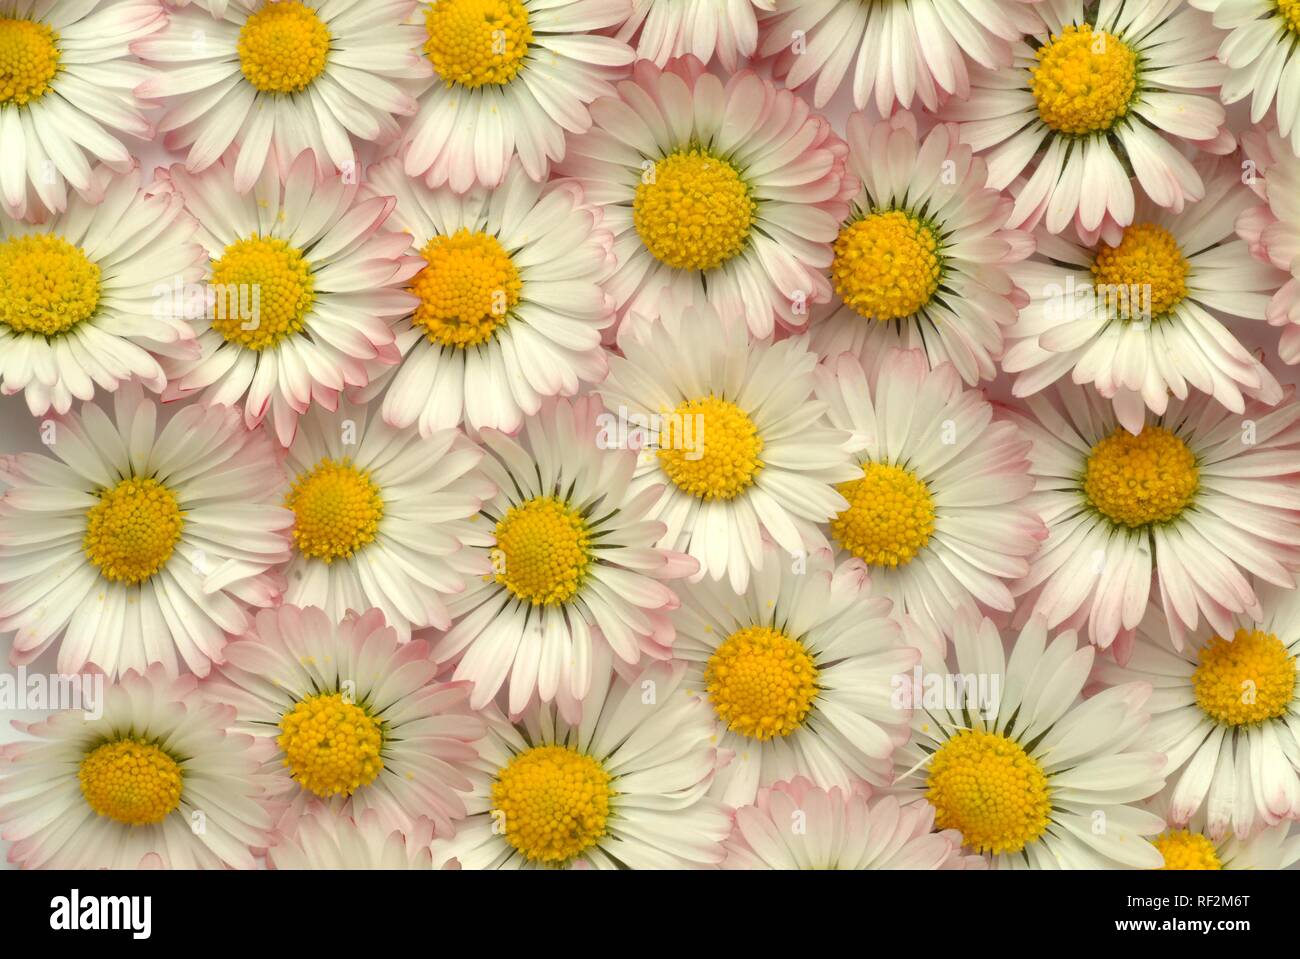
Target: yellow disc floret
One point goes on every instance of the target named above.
(332, 747)
(761, 682)
(132, 530)
(283, 47)
(1187, 850)
(1145, 276)
(545, 551)
(693, 211)
(553, 803)
(887, 265)
(273, 279)
(987, 787)
(710, 448)
(1084, 80)
(47, 285)
(890, 516)
(131, 782)
(467, 289)
(1138, 480)
(1290, 11)
(477, 42)
(336, 509)
(1247, 680)
(29, 60)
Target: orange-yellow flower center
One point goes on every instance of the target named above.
(1187, 850)
(336, 509)
(477, 42)
(283, 47)
(1145, 276)
(552, 803)
(887, 265)
(1084, 80)
(1135, 481)
(130, 781)
(132, 531)
(29, 60)
(263, 290)
(693, 211)
(466, 290)
(890, 516)
(331, 746)
(1290, 11)
(47, 285)
(710, 448)
(1247, 680)
(761, 682)
(544, 551)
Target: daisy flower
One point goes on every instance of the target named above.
(796, 825)
(724, 193)
(510, 79)
(1273, 230)
(1029, 774)
(353, 719)
(1227, 714)
(564, 563)
(736, 437)
(378, 515)
(799, 672)
(66, 97)
(665, 29)
(625, 788)
(1259, 53)
(1191, 847)
(1098, 91)
(79, 304)
(1133, 318)
(509, 308)
(302, 289)
(921, 260)
(898, 51)
(325, 840)
(139, 543)
(276, 78)
(156, 781)
(937, 508)
(1199, 497)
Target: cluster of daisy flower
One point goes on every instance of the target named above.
(653, 433)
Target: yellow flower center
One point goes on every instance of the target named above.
(29, 59)
(1145, 276)
(887, 265)
(1084, 80)
(1247, 680)
(986, 787)
(710, 448)
(1138, 480)
(283, 47)
(761, 682)
(553, 803)
(693, 211)
(336, 509)
(477, 42)
(1187, 850)
(270, 277)
(545, 551)
(47, 285)
(466, 291)
(331, 746)
(890, 516)
(131, 782)
(132, 530)
(1290, 10)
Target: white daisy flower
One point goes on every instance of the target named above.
(735, 436)
(66, 97)
(1191, 846)
(156, 781)
(937, 509)
(326, 840)
(1196, 500)
(276, 78)
(302, 289)
(509, 305)
(799, 671)
(627, 787)
(351, 718)
(510, 79)
(1099, 94)
(922, 259)
(139, 542)
(1133, 318)
(838, 829)
(1029, 774)
(379, 516)
(79, 294)
(1273, 229)
(728, 194)
(565, 563)
(665, 29)
(898, 51)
